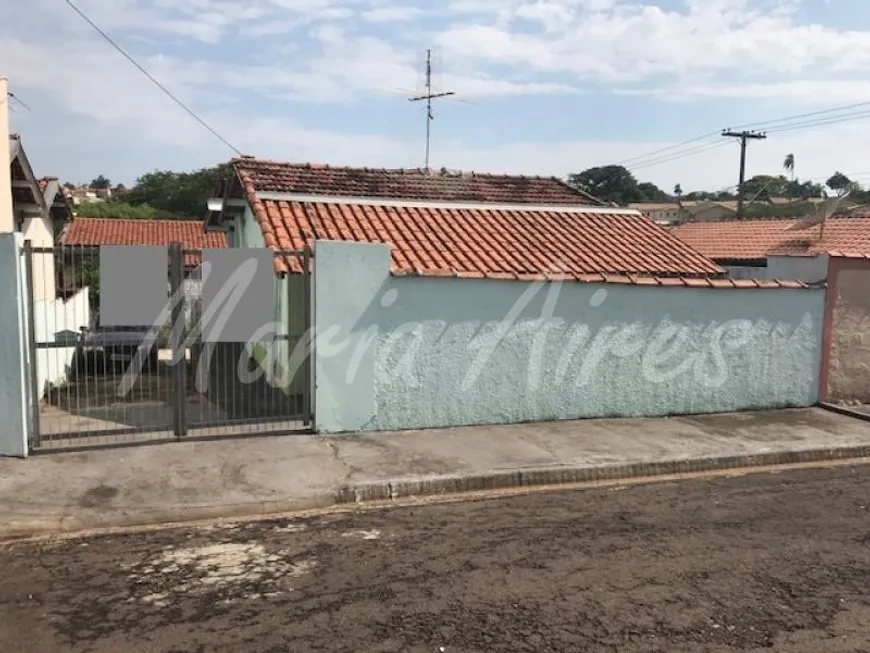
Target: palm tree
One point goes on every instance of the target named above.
(788, 165)
(678, 193)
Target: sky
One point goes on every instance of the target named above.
(544, 87)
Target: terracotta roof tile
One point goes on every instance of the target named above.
(117, 231)
(257, 175)
(495, 243)
(752, 240)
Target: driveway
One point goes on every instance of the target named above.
(774, 563)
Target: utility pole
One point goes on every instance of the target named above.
(744, 136)
(429, 96)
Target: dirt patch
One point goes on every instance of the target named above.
(98, 496)
(203, 569)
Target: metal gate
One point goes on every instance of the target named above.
(96, 386)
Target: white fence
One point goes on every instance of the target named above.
(56, 320)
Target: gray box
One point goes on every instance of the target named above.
(237, 293)
(134, 284)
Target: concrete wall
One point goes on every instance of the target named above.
(40, 233)
(16, 408)
(397, 353)
(846, 364)
(747, 272)
(54, 320)
(810, 269)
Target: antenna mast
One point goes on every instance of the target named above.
(429, 96)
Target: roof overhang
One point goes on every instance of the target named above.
(30, 182)
(222, 206)
(14, 149)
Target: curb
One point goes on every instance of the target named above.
(381, 491)
(844, 410)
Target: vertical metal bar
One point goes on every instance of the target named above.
(179, 366)
(35, 436)
(308, 333)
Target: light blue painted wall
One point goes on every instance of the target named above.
(397, 353)
(15, 405)
(349, 279)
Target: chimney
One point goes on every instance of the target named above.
(7, 219)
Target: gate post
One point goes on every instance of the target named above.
(14, 351)
(177, 339)
(307, 335)
(35, 435)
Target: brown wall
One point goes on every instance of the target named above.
(846, 361)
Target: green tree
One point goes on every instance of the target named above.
(649, 192)
(178, 194)
(762, 187)
(839, 183)
(678, 191)
(115, 210)
(616, 184)
(796, 189)
(101, 182)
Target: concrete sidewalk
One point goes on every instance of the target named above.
(260, 475)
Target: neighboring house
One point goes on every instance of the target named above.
(40, 212)
(88, 195)
(662, 212)
(778, 248)
(709, 211)
(97, 232)
(741, 246)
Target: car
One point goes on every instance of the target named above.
(113, 348)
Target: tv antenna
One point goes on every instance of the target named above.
(12, 96)
(429, 96)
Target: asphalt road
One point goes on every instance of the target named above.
(757, 563)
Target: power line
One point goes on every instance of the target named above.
(679, 155)
(777, 125)
(669, 147)
(802, 115)
(819, 123)
(153, 79)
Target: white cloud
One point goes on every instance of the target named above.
(85, 95)
(392, 14)
(822, 92)
(636, 41)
